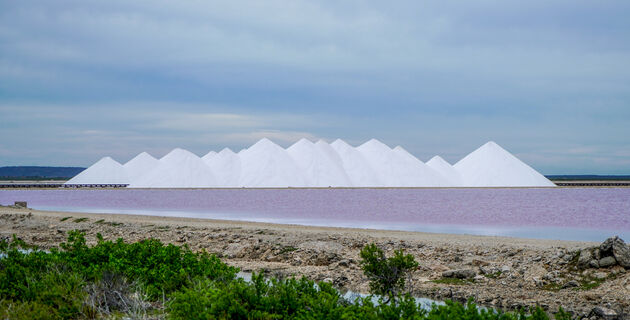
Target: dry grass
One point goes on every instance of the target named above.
(114, 295)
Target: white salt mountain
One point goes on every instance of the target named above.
(415, 173)
(357, 168)
(226, 166)
(265, 164)
(446, 170)
(307, 164)
(209, 156)
(335, 159)
(140, 165)
(398, 168)
(493, 166)
(320, 164)
(104, 171)
(178, 169)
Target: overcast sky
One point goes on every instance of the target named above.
(547, 80)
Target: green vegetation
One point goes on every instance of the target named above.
(78, 220)
(589, 282)
(386, 275)
(110, 223)
(552, 286)
(115, 279)
(287, 249)
(65, 218)
(77, 281)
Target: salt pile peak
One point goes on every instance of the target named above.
(398, 168)
(209, 156)
(357, 168)
(446, 170)
(319, 163)
(308, 164)
(332, 154)
(418, 174)
(492, 166)
(226, 166)
(140, 165)
(266, 164)
(178, 169)
(104, 171)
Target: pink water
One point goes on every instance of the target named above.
(561, 213)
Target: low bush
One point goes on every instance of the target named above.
(119, 279)
(260, 299)
(66, 279)
(386, 275)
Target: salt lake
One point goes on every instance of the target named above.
(591, 214)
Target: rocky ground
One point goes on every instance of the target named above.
(587, 279)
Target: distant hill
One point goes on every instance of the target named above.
(38, 173)
(587, 177)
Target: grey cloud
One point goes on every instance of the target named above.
(442, 77)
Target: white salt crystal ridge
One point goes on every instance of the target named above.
(383, 161)
(398, 168)
(414, 173)
(319, 163)
(493, 166)
(444, 168)
(308, 164)
(104, 171)
(328, 151)
(178, 169)
(357, 168)
(209, 156)
(265, 164)
(226, 166)
(140, 165)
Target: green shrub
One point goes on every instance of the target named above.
(26, 310)
(386, 275)
(81, 281)
(58, 278)
(260, 299)
(160, 268)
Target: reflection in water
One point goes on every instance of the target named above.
(424, 303)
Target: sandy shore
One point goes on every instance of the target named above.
(509, 273)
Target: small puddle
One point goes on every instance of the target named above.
(424, 303)
(25, 251)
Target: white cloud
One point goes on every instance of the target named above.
(435, 77)
(208, 121)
